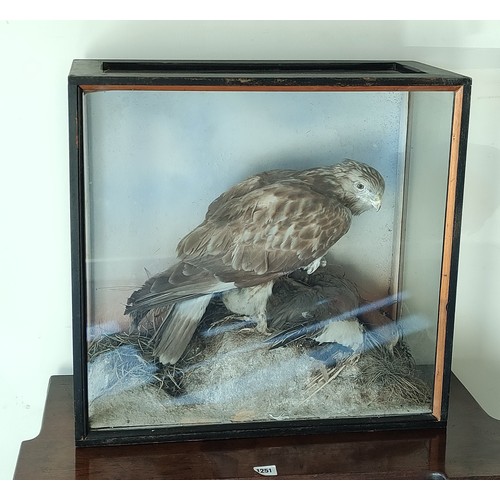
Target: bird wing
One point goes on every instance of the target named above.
(253, 235)
(265, 233)
(323, 298)
(248, 185)
(291, 304)
(180, 282)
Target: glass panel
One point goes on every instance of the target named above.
(429, 138)
(302, 347)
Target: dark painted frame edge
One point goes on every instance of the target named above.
(84, 436)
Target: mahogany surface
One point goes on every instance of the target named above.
(468, 449)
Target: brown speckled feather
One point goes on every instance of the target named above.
(271, 230)
(244, 187)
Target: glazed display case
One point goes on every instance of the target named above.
(263, 247)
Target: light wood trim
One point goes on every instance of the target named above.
(447, 249)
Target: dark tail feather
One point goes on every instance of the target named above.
(284, 338)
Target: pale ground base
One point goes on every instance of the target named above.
(237, 379)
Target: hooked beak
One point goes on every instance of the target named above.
(376, 203)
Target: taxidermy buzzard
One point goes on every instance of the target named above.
(265, 227)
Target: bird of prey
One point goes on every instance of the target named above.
(265, 227)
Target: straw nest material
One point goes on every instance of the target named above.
(228, 374)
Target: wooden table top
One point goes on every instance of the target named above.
(468, 449)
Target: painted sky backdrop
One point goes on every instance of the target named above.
(156, 159)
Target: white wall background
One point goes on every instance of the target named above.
(34, 207)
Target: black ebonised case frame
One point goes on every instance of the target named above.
(415, 87)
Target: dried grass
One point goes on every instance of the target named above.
(229, 374)
(394, 375)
